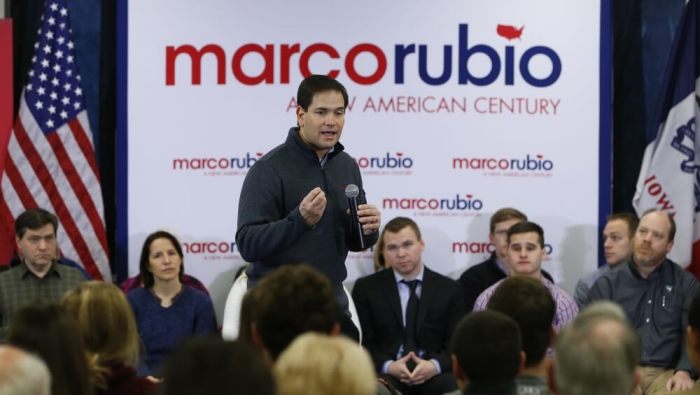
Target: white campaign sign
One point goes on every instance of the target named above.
(457, 108)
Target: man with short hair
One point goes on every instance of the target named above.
(530, 304)
(525, 255)
(617, 245)
(477, 278)
(654, 293)
(292, 300)
(597, 354)
(22, 373)
(293, 206)
(39, 277)
(408, 313)
(486, 353)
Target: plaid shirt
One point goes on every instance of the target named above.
(566, 307)
(20, 287)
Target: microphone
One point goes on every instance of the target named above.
(351, 192)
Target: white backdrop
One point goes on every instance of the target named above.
(447, 152)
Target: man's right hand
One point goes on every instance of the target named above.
(312, 206)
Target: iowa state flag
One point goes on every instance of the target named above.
(668, 179)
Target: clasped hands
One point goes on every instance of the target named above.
(422, 372)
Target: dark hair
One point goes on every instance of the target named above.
(505, 214)
(47, 330)
(671, 221)
(527, 227)
(33, 219)
(393, 226)
(530, 304)
(292, 300)
(315, 84)
(209, 365)
(630, 219)
(144, 263)
(487, 345)
(694, 312)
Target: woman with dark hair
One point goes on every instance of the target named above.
(48, 331)
(108, 328)
(166, 310)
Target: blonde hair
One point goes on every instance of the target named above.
(316, 364)
(106, 322)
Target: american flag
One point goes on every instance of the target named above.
(51, 161)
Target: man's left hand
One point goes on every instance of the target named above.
(424, 371)
(369, 218)
(680, 381)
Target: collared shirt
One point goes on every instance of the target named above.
(20, 287)
(657, 308)
(405, 291)
(566, 307)
(583, 286)
(404, 294)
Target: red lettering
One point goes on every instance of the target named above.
(196, 58)
(266, 75)
(350, 64)
(318, 47)
(286, 53)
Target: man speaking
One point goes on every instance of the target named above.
(293, 206)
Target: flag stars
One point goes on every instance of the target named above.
(76, 105)
(69, 72)
(65, 101)
(39, 105)
(57, 68)
(59, 54)
(43, 76)
(52, 109)
(63, 114)
(52, 21)
(41, 91)
(60, 40)
(54, 81)
(69, 59)
(29, 87)
(78, 92)
(64, 11)
(45, 63)
(54, 6)
(49, 35)
(49, 123)
(62, 26)
(47, 49)
(67, 86)
(70, 44)
(53, 96)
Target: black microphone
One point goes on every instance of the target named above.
(351, 192)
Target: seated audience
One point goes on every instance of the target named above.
(410, 349)
(38, 277)
(209, 365)
(598, 354)
(654, 292)
(477, 278)
(525, 254)
(108, 328)
(316, 364)
(486, 354)
(166, 310)
(617, 246)
(529, 303)
(51, 333)
(21, 373)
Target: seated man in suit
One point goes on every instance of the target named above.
(408, 314)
